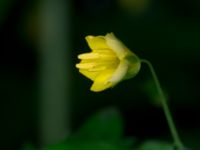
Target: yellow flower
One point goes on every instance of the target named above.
(109, 62)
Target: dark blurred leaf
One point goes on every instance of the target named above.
(28, 146)
(156, 145)
(105, 125)
(102, 131)
(128, 142)
(84, 145)
(60, 146)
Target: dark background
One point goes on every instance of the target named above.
(166, 32)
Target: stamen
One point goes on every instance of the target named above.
(89, 56)
(85, 65)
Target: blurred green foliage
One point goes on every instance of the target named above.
(103, 131)
(107, 124)
(28, 146)
(156, 145)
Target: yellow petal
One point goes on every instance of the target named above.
(98, 68)
(89, 74)
(96, 42)
(116, 45)
(120, 72)
(88, 56)
(102, 81)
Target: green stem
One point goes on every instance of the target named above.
(170, 121)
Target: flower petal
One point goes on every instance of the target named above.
(116, 45)
(102, 81)
(89, 74)
(120, 72)
(96, 42)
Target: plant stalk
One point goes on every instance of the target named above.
(168, 115)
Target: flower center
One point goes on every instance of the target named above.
(98, 60)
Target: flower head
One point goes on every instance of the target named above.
(109, 62)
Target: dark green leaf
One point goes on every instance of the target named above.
(156, 145)
(84, 145)
(104, 125)
(27, 146)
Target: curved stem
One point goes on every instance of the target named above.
(168, 115)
